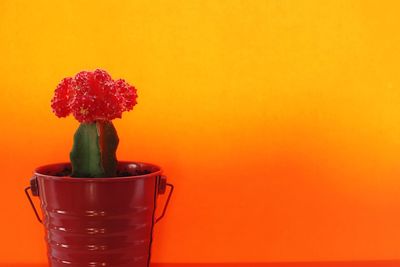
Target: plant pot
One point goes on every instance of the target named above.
(99, 221)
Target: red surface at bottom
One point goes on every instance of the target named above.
(271, 264)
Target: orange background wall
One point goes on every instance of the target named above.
(278, 121)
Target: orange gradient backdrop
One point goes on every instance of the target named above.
(278, 121)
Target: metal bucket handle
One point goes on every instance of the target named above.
(162, 185)
(35, 192)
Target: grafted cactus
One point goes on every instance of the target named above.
(95, 100)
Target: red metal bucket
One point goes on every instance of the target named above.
(99, 221)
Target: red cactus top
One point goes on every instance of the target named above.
(93, 95)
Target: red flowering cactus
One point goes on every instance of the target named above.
(94, 99)
(92, 96)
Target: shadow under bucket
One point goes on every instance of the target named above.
(92, 222)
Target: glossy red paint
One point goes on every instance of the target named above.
(99, 221)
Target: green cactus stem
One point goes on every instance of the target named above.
(94, 150)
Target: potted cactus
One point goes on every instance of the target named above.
(97, 211)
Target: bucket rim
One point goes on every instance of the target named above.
(38, 172)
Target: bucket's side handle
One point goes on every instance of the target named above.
(162, 188)
(35, 192)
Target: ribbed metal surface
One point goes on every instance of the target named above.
(98, 222)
